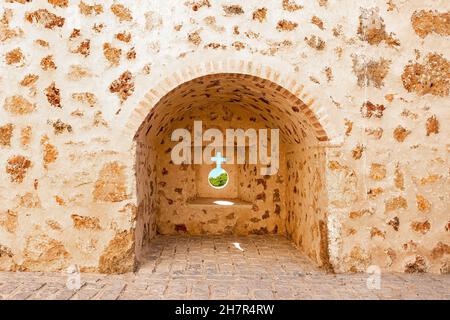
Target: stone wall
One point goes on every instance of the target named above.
(178, 185)
(307, 202)
(78, 78)
(146, 192)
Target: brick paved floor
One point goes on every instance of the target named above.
(255, 267)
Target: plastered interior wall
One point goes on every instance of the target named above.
(78, 78)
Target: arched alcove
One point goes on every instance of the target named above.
(176, 199)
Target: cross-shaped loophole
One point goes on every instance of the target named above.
(218, 177)
(218, 159)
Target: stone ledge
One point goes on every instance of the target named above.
(219, 202)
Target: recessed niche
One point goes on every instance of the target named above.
(178, 198)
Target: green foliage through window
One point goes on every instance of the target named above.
(219, 181)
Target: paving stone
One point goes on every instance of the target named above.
(109, 295)
(86, 294)
(263, 294)
(210, 268)
(21, 295)
(65, 294)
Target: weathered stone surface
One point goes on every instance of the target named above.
(50, 154)
(60, 127)
(84, 48)
(112, 54)
(418, 265)
(360, 213)
(88, 10)
(17, 167)
(369, 110)
(440, 250)
(18, 105)
(123, 86)
(260, 14)
(44, 253)
(315, 42)
(25, 136)
(359, 259)
(427, 22)
(372, 29)
(29, 200)
(6, 133)
(286, 25)
(370, 73)
(87, 98)
(83, 222)
(399, 180)
(45, 18)
(53, 95)
(377, 171)
(6, 258)
(8, 220)
(396, 203)
(78, 72)
(432, 125)
(401, 133)
(118, 257)
(431, 76)
(47, 63)
(15, 57)
(53, 224)
(421, 227)
(423, 204)
(121, 12)
(29, 80)
(318, 22)
(6, 32)
(59, 3)
(111, 183)
(394, 223)
(232, 10)
(291, 5)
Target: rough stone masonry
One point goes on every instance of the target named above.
(360, 92)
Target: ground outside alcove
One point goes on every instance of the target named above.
(182, 218)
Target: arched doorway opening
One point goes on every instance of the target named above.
(176, 199)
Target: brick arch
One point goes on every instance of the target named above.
(290, 88)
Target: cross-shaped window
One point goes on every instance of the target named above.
(218, 177)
